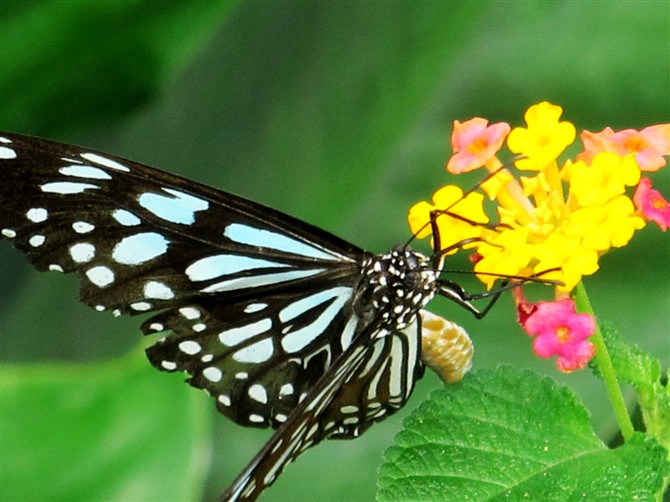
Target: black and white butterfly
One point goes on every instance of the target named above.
(283, 324)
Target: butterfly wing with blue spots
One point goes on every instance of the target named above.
(284, 324)
(238, 283)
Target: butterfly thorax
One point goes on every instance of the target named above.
(395, 286)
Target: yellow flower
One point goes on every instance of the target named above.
(544, 139)
(448, 202)
(564, 217)
(606, 177)
(574, 260)
(603, 226)
(507, 253)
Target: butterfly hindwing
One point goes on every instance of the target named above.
(257, 357)
(361, 387)
(380, 386)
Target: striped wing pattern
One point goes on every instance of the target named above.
(362, 387)
(265, 312)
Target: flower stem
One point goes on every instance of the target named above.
(605, 365)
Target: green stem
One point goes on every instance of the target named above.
(605, 365)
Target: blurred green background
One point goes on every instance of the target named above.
(338, 113)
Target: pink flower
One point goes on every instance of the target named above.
(649, 145)
(474, 143)
(562, 332)
(651, 204)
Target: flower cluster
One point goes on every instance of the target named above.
(554, 219)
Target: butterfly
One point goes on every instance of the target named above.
(284, 324)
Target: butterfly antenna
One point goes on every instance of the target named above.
(447, 211)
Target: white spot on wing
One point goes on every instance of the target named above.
(104, 161)
(140, 306)
(7, 153)
(100, 276)
(189, 312)
(66, 187)
(126, 218)
(348, 332)
(9, 233)
(224, 400)
(139, 248)
(73, 161)
(37, 214)
(55, 267)
(256, 418)
(259, 280)
(244, 234)
(82, 252)
(255, 353)
(232, 337)
(286, 390)
(190, 347)
(82, 227)
(213, 374)
(258, 393)
(93, 173)
(225, 264)
(180, 208)
(36, 240)
(158, 290)
(169, 365)
(255, 307)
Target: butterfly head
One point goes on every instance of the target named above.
(397, 285)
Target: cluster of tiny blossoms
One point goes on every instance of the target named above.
(554, 219)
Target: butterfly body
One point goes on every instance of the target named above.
(283, 324)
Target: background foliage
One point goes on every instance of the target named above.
(338, 113)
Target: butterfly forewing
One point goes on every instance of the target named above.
(239, 280)
(284, 324)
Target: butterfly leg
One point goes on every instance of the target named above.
(457, 294)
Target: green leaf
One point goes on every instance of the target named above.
(632, 364)
(507, 434)
(643, 371)
(70, 432)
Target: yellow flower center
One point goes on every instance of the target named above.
(635, 144)
(563, 334)
(477, 146)
(543, 141)
(659, 203)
